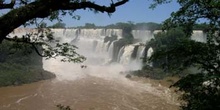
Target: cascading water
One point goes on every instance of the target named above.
(126, 56)
(199, 36)
(149, 54)
(94, 40)
(140, 55)
(121, 51)
(143, 35)
(111, 50)
(110, 32)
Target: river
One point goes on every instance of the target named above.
(97, 87)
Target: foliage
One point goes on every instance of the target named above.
(58, 25)
(17, 74)
(138, 26)
(149, 72)
(202, 26)
(110, 39)
(127, 26)
(43, 25)
(126, 31)
(158, 2)
(62, 107)
(43, 40)
(200, 91)
(34, 12)
(20, 64)
(147, 26)
(163, 46)
(9, 52)
(66, 50)
(89, 25)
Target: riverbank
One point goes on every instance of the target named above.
(166, 82)
(154, 76)
(13, 75)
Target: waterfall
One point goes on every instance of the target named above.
(111, 49)
(126, 56)
(64, 35)
(92, 41)
(110, 32)
(140, 54)
(98, 34)
(142, 35)
(92, 33)
(106, 46)
(156, 32)
(149, 54)
(121, 51)
(199, 36)
(99, 48)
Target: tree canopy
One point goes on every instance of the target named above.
(200, 91)
(163, 45)
(57, 25)
(29, 12)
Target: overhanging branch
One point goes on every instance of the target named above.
(42, 9)
(5, 6)
(27, 42)
(88, 4)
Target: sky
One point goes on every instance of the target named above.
(135, 10)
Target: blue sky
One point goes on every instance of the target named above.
(134, 10)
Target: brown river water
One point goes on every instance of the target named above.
(96, 87)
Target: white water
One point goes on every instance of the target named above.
(143, 35)
(199, 36)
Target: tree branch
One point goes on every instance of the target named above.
(42, 9)
(37, 51)
(209, 67)
(23, 2)
(5, 6)
(27, 42)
